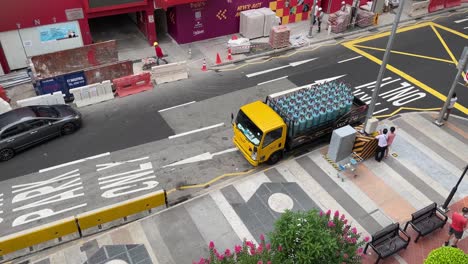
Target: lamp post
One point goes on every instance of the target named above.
(461, 66)
(454, 189)
(384, 64)
(312, 19)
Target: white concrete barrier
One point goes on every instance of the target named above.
(170, 72)
(419, 8)
(45, 99)
(93, 93)
(4, 106)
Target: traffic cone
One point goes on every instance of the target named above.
(234, 37)
(204, 65)
(218, 59)
(229, 57)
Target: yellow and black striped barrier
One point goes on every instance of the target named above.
(365, 146)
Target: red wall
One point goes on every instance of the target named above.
(25, 12)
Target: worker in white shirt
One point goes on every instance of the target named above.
(381, 145)
(318, 17)
(453, 100)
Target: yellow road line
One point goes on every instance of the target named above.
(444, 44)
(407, 108)
(203, 185)
(451, 30)
(406, 76)
(405, 53)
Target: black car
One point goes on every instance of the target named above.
(27, 126)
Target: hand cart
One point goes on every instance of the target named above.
(353, 161)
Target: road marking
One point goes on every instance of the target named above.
(292, 64)
(405, 53)
(113, 164)
(353, 58)
(465, 27)
(305, 86)
(461, 20)
(201, 157)
(380, 111)
(445, 45)
(169, 108)
(195, 131)
(280, 78)
(74, 162)
(435, 93)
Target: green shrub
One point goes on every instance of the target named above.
(313, 237)
(446, 255)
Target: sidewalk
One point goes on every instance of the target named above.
(425, 164)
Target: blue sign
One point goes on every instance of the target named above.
(76, 79)
(57, 31)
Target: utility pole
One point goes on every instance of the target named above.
(384, 63)
(312, 19)
(454, 189)
(461, 66)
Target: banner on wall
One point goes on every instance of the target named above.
(57, 31)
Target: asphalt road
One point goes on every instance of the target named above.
(140, 144)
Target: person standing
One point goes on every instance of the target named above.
(159, 53)
(390, 138)
(457, 227)
(453, 100)
(318, 18)
(381, 145)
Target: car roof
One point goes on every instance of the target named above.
(15, 115)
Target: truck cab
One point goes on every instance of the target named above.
(259, 133)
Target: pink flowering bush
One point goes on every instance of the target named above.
(247, 253)
(316, 237)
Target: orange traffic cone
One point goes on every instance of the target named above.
(234, 37)
(218, 59)
(204, 65)
(229, 57)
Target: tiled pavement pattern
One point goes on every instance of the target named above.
(428, 162)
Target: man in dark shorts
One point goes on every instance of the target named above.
(458, 225)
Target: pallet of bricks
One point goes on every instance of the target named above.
(279, 37)
(365, 18)
(340, 20)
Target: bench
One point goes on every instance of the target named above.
(388, 241)
(427, 220)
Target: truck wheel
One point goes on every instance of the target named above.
(275, 157)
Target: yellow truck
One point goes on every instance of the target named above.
(264, 131)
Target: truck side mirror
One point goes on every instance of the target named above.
(232, 117)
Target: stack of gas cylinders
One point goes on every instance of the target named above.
(313, 106)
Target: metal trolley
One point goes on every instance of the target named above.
(353, 161)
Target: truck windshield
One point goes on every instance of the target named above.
(248, 128)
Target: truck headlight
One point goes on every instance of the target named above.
(254, 154)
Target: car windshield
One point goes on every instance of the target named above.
(248, 128)
(45, 111)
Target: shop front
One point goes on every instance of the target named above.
(213, 18)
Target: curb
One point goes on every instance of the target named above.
(340, 35)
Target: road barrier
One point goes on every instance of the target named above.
(4, 106)
(419, 8)
(133, 84)
(35, 239)
(104, 218)
(45, 99)
(93, 93)
(74, 227)
(170, 72)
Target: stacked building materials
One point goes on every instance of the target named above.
(279, 37)
(339, 21)
(365, 18)
(269, 20)
(252, 24)
(313, 106)
(14, 78)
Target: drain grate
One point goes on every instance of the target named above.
(373, 30)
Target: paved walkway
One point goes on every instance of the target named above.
(425, 164)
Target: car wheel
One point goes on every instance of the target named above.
(68, 129)
(274, 158)
(6, 154)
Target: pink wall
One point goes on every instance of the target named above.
(209, 19)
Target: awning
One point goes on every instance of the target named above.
(168, 3)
